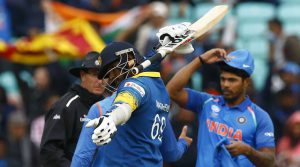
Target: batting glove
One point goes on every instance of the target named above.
(105, 129)
(170, 33)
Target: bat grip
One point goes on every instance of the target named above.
(161, 54)
(137, 69)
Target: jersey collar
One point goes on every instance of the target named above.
(148, 74)
(242, 107)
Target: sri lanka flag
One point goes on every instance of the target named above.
(73, 40)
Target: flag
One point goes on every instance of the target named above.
(68, 12)
(73, 40)
(111, 23)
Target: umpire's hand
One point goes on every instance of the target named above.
(105, 129)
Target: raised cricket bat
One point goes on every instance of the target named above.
(196, 30)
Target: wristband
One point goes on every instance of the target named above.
(201, 60)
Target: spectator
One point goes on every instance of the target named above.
(37, 125)
(40, 93)
(292, 49)
(5, 110)
(21, 151)
(289, 74)
(274, 2)
(129, 34)
(52, 19)
(146, 35)
(60, 78)
(3, 152)
(27, 17)
(288, 148)
(284, 105)
(276, 40)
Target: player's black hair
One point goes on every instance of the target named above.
(275, 21)
(285, 92)
(241, 73)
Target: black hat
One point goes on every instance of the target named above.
(91, 60)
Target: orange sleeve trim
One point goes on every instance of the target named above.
(100, 109)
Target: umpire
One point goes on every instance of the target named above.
(65, 119)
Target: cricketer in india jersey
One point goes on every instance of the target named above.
(246, 122)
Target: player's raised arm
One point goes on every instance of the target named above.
(179, 81)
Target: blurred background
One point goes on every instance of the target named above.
(41, 39)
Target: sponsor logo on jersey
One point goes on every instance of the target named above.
(241, 120)
(84, 119)
(137, 87)
(224, 130)
(56, 116)
(215, 110)
(162, 106)
(231, 57)
(246, 66)
(269, 134)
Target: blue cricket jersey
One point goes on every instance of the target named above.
(87, 153)
(246, 122)
(144, 140)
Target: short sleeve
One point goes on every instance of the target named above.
(196, 100)
(133, 92)
(105, 104)
(264, 131)
(95, 111)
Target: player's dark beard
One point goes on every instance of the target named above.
(115, 84)
(230, 100)
(295, 140)
(117, 81)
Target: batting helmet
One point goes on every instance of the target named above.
(117, 51)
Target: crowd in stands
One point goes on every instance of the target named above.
(28, 91)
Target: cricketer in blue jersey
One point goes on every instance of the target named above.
(88, 154)
(139, 113)
(233, 131)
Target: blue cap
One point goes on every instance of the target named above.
(241, 59)
(291, 67)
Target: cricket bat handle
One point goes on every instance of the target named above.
(159, 55)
